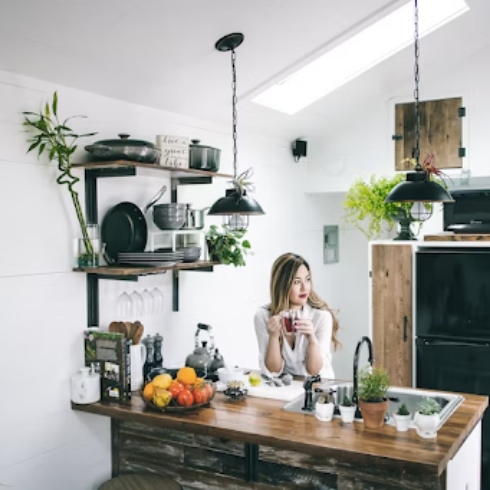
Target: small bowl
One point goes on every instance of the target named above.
(231, 374)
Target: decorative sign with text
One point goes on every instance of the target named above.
(175, 151)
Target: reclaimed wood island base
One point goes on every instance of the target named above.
(255, 444)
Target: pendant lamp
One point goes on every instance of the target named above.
(418, 187)
(237, 205)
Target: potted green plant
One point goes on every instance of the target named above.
(347, 410)
(427, 418)
(324, 408)
(373, 385)
(59, 141)
(227, 245)
(365, 207)
(402, 418)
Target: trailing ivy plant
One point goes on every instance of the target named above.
(227, 246)
(59, 141)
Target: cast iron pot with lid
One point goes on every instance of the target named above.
(125, 149)
(124, 228)
(203, 157)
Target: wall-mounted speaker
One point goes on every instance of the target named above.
(299, 149)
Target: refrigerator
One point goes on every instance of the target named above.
(452, 326)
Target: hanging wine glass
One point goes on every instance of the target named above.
(158, 300)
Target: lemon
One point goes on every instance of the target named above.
(254, 379)
(162, 381)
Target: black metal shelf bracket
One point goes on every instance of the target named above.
(91, 212)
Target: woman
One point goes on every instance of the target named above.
(308, 351)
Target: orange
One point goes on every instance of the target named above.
(187, 376)
(148, 392)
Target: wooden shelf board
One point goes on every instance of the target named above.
(124, 270)
(454, 237)
(183, 172)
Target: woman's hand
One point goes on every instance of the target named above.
(305, 327)
(274, 326)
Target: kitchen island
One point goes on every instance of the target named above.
(255, 444)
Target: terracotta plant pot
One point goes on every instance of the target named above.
(373, 413)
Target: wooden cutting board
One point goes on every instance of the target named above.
(285, 393)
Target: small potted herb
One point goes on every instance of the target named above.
(373, 385)
(402, 418)
(427, 418)
(347, 410)
(324, 408)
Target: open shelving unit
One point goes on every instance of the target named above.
(123, 168)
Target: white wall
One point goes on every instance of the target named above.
(364, 147)
(44, 444)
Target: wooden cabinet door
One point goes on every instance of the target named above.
(440, 132)
(392, 311)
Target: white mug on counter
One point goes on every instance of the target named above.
(138, 358)
(85, 386)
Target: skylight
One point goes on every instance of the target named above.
(358, 54)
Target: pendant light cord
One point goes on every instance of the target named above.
(234, 113)
(416, 149)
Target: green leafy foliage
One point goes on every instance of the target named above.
(227, 245)
(403, 410)
(373, 385)
(59, 141)
(365, 206)
(347, 402)
(428, 406)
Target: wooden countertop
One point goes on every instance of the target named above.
(263, 422)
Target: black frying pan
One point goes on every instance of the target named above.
(124, 228)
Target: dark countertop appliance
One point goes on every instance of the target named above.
(469, 213)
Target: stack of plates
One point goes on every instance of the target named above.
(157, 258)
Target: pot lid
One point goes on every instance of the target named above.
(125, 141)
(195, 144)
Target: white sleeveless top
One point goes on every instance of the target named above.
(295, 358)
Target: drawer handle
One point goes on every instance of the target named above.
(405, 326)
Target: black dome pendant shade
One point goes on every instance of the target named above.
(236, 202)
(418, 187)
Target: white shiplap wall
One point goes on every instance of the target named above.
(44, 445)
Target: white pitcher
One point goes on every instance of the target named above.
(138, 358)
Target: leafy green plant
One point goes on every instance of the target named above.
(403, 410)
(347, 402)
(365, 206)
(59, 141)
(373, 385)
(227, 245)
(428, 406)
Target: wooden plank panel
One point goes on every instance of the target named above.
(392, 311)
(440, 132)
(190, 479)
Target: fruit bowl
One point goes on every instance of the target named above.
(171, 407)
(185, 392)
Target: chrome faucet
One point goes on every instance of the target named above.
(355, 397)
(307, 385)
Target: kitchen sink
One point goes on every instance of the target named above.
(411, 397)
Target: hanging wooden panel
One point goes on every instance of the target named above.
(440, 132)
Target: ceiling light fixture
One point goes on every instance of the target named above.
(236, 206)
(418, 188)
(356, 55)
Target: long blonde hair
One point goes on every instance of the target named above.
(282, 276)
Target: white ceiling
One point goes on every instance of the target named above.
(160, 53)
